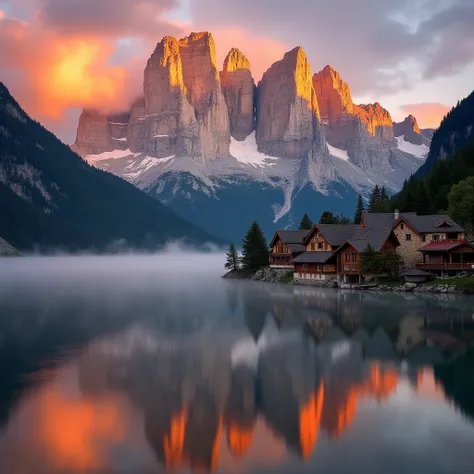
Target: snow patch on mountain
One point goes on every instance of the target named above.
(420, 151)
(246, 152)
(338, 153)
(110, 155)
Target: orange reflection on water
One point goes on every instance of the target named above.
(174, 442)
(310, 419)
(239, 440)
(74, 432)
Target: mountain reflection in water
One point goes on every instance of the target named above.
(238, 376)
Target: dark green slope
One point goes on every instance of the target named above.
(50, 198)
(455, 132)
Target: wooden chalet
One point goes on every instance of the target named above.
(318, 262)
(446, 257)
(286, 245)
(348, 254)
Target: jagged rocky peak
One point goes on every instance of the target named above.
(238, 88)
(287, 109)
(334, 94)
(92, 133)
(235, 60)
(409, 130)
(377, 121)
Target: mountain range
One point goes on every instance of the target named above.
(51, 199)
(222, 151)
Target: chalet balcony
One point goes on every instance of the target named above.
(446, 266)
(280, 260)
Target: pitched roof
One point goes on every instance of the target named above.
(376, 237)
(290, 236)
(296, 248)
(313, 257)
(429, 224)
(421, 224)
(337, 234)
(444, 245)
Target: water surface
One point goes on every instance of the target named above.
(149, 364)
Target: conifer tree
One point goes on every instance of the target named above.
(359, 210)
(254, 249)
(232, 258)
(383, 194)
(327, 217)
(374, 199)
(306, 223)
(422, 203)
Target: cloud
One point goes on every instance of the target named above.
(260, 58)
(428, 114)
(49, 72)
(370, 42)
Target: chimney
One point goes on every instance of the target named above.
(362, 219)
(397, 214)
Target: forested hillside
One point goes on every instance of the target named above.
(50, 198)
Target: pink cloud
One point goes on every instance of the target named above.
(261, 51)
(428, 114)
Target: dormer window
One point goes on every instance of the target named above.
(402, 226)
(444, 224)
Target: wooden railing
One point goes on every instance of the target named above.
(279, 259)
(445, 266)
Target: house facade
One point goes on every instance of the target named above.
(329, 251)
(414, 231)
(285, 246)
(319, 260)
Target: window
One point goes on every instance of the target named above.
(354, 257)
(423, 238)
(402, 226)
(320, 246)
(407, 237)
(305, 266)
(435, 237)
(320, 267)
(354, 268)
(347, 268)
(347, 257)
(327, 268)
(312, 246)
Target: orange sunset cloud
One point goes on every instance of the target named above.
(428, 115)
(59, 72)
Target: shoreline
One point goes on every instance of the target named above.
(284, 277)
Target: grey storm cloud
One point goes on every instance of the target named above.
(371, 42)
(103, 17)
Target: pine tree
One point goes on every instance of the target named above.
(359, 210)
(374, 199)
(327, 217)
(306, 223)
(254, 249)
(422, 203)
(383, 194)
(233, 259)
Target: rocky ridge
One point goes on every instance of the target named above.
(410, 131)
(199, 137)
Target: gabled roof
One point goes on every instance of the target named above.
(421, 224)
(376, 237)
(432, 224)
(444, 245)
(290, 236)
(296, 248)
(313, 257)
(335, 234)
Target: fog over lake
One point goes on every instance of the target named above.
(153, 363)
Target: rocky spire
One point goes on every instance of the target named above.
(238, 88)
(334, 95)
(410, 130)
(92, 133)
(287, 111)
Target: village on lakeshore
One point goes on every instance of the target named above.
(342, 253)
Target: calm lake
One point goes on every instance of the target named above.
(149, 364)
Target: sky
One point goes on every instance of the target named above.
(413, 56)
